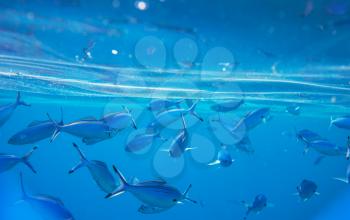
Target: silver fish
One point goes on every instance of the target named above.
(7, 110)
(9, 161)
(154, 195)
(98, 170)
(48, 207)
(325, 147)
(341, 122)
(35, 131)
(120, 120)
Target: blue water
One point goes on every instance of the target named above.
(90, 58)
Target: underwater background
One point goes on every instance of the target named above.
(90, 58)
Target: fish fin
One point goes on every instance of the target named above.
(341, 179)
(317, 194)
(319, 159)
(214, 163)
(330, 122)
(135, 180)
(24, 193)
(191, 148)
(183, 121)
(131, 117)
(83, 160)
(123, 184)
(61, 122)
(26, 161)
(192, 111)
(186, 193)
(57, 128)
(20, 102)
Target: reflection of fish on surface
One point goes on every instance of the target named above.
(48, 207)
(155, 195)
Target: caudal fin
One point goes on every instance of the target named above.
(57, 128)
(82, 162)
(331, 120)
(131, 117)
(24, 194)
(344, 180)
(186, 193)
(26, 157)
(123, 184)
(19, 101)
(192, 111)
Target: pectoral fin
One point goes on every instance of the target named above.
(216, 162)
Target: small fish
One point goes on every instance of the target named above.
(141, 141)
(158, 105)
(326, 148)
(119, 121)
(307, 136)
(293, 109)
(48, 207)
(7, 110)
(9, 161)
(227, 106)
(224, 159)
(98, 170)
(85, 128)
(180, 144)
(347, 177)
(155, 195)
(306, 190)
(259, 204)
(35, 131)
(165, 118)
(256, 117)
(341, 122)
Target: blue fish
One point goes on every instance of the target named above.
(256, 117)
(306, 190)
(258, 205)
(342, 122)
(35, 131)
(48, 207)
(141, 141)
(158, 105)
(307, 136)
(347, 176)
(120, 120)
(87, 129)
(154, 195)
(326, 148)
(166, 118)
(293, 109)
(7, 110)
(9, 161)
(224, 159)
(98, 170)
(227, 106)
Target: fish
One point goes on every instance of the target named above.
(347, 177)
(258, 205)
(293, 109)
(306, 190)
(161, 104)
(341, 122)
(326, 148)
(34, 132)
(227, 106)
(156, 196)
(48, 207)
(167, 117)
(98, 170)
(307, 136)
(86, 129)
(7, 110)
(120, 120)
(141, 141)
(256, 117)
(224, 159)
(9, 161)
(180, 143)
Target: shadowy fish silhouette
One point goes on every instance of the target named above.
(306, 190)
(7, 110)
(156, 196)
(258, 205)
(98, 170)
(48, 207)
(9, 161)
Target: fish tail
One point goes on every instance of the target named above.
(192, 109)
(123, 184)
(24, 193)
(57, 128)
(27, 156)
(131, 117)
(83, 159)
(344, 180)
(186, 193)
(19, 101)
(331, 119)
